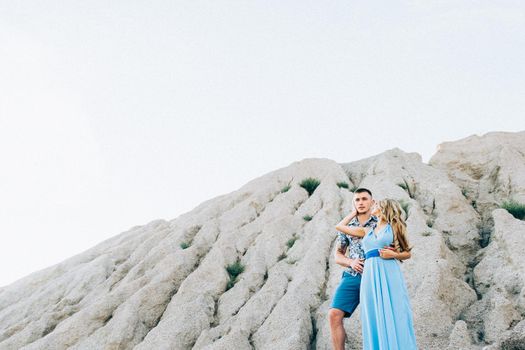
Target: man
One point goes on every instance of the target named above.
(346, 297)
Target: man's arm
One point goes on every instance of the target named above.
(342, 260)
(340, 257)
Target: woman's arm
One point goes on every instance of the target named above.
(351, 231)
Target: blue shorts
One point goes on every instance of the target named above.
(346, 296)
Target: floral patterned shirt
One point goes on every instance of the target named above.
(355, 250)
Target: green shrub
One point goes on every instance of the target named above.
(310, 184)
(516, 209)
(184, 245)
(285, 188)
(342, 184)
(430, 222)
(403, 185)
(291, 242)
(234, 270)
(307, 218)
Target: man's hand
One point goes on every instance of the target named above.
(357, 265)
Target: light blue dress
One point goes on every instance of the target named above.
(386, 314)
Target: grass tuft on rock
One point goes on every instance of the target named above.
(342, 185)
(403, 185)
(307, 218)
(234, 270)
(310, 184)
(516, 209)
(291, 242)
(184, 245)
(285, 188)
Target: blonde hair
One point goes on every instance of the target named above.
(390, 211)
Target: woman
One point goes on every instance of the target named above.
(385, 308)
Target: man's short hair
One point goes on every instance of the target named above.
(362, 189)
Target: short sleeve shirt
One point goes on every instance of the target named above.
(355, 250)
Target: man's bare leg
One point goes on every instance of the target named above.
(337, 330)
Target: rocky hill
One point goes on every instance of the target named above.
(254, 268)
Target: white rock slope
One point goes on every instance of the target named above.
(142, 290)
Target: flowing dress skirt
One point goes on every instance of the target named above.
(385, 308)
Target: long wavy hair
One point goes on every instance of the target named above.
(391, 212)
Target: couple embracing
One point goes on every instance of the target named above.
(375, 236)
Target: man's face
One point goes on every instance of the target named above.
(363, 202)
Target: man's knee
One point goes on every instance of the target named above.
(335, 316)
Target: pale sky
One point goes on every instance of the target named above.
(116, 113)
